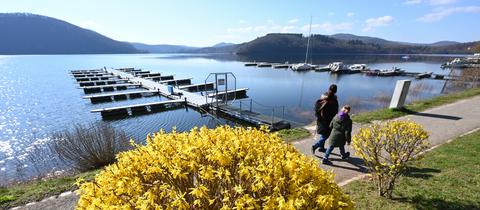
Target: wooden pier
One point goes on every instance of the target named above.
(101, 82)
(198, 87)
(177, 82)
(252, 118)
(139, 108)
(231, 94)
(179, 91)
(160, 77)
(105, 88)
(281, 66)
(119, 96)
(192, 99)
(83, 79)
(264, 65)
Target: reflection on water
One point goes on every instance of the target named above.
(38, 96)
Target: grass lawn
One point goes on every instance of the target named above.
(418, 106)
(38, 190)
(448, 177)
(289, 135)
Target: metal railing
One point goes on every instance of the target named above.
(249, 104)
(221, 79)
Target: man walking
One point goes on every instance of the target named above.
(325, 109)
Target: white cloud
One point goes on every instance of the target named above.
(242, 21)
(440, 14)
(329, 27)
(260, 28)
(372, 23)
(430, 2)
(270, 21)
(350, 14)
(292, 21)
(441, 2)
(412, 2)
(240, 29)
(331, 13)
(288, 29)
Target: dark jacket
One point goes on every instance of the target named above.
(325, 109)
(341, 131)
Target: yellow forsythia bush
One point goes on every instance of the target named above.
(387, 148)
(222, 168)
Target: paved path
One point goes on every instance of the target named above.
(443, 123)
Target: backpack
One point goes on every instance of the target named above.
(319, 107)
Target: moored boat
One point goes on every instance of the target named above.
(386, 72)
(424, 75)
(357, 68)
(339, 68)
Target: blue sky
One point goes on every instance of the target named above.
(204, 23)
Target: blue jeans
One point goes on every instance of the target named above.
(320, 143)
(330, 149)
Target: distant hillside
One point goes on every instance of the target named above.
(163, 48)
(366, 39)
(375, 40)
(23, 33)
(278, 43)
(221, 47)
(223, 44)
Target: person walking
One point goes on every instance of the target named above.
(325, 109)
(341, 126)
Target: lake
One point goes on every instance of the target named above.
(38, 96)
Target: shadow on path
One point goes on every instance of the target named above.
(441, 116)
(357, 163)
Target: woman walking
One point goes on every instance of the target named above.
(325, 109)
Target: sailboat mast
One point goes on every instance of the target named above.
(308, 41)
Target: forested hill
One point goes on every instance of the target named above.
(23, 33)
(277, 43)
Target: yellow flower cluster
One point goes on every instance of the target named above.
(388, 147)
(222, 168)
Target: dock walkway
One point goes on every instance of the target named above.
(192, 99)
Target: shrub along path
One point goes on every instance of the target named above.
(443, 124)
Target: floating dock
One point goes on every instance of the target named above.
(119, 96)
(264, 65)
(106, 88)
(231, 94)
(83, 79)
(198, 87)
(102, 82)
(177, 82)
(139, 108)
(179, 91)
(281, 66)
(160, 77)
(192, 99)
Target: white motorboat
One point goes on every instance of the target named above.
(358, 67)
(301, 67)
(339, 68)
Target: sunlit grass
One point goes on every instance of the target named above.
(418, 106)
(446, 178)
(37, 190)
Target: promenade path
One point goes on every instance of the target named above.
(443, 123)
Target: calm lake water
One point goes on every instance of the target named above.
(38, 96)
